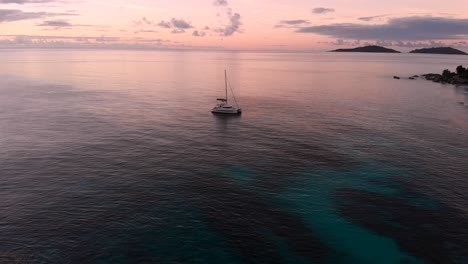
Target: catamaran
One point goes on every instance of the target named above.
(223, 107)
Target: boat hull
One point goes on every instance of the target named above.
(233, 111)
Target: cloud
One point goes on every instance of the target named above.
(234, 20)
(94, 42)
(419, 44)
(197, 33)
(234, 26)
(35, 39)
(175, 23)
(146, 21)
(177, 31)
(342, 42)
(406, 28)
(55, 23)
(383, 43)
(401, 44)
(322, 10)
(21, 2)
(292, 23)
(165, 24)
(180, 23)
(145, 31)
(65, 24)
(143, 22)
(107, 39)
(9, 15)
(100, 42)
(220, 3)
(371, 18)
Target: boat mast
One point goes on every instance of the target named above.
(225, 84)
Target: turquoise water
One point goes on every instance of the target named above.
(114, 157)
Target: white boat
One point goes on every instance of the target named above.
(223, 107)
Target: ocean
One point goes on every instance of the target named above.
(114, 157)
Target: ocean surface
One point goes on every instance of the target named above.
(114, 157)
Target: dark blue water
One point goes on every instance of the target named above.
(114, 157)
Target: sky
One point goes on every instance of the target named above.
(261, 25)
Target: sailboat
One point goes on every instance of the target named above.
(223, 107)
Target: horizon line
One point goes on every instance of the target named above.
(213, 49)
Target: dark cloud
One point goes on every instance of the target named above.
(65, 24)
(294, 22)
(55, 23)
(220, 3)
(371, 18)
(165, 24)
(197, 33)
(406, 28)
(180, 23)
(234, 20)
(9, 15)
(175, 23)
(140, 39)
(234, 25)
(322, 10)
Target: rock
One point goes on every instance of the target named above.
(447, 77)
(433, 77)
(396, 77)
(411, 78)
(415, 76)
(458, 80)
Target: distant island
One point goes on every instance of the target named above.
(379, 49)
(375, 49)
(440, 50)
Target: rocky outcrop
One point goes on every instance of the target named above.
(435, 77)
(460, 76)
(409, 78)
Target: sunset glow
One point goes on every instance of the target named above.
(296, 25)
